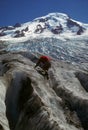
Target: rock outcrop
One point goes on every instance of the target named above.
(31, 102)
(17, 25)
(73, 24)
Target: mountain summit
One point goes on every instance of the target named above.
(53, 24)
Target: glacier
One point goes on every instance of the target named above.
(28, 100)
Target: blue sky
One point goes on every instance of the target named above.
(13, 11)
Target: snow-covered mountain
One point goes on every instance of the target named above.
(55, 34)
(52, 25)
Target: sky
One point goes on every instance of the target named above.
(21, 11)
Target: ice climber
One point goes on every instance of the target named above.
(45, 63)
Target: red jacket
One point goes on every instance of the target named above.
(44, 58)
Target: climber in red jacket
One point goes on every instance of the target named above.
(44, 63)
